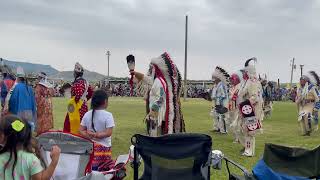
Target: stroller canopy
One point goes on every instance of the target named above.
(75, 154)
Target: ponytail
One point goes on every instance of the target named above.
(98, 99)
(92, 123)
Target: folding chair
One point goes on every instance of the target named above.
(282, 162)
(246, 174)
(173, 157)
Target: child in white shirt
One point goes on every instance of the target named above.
(97, 125)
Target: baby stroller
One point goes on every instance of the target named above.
(76, 157)
(282, 163)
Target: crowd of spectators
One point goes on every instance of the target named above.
(193, 91)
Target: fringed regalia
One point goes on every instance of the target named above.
(161, 87)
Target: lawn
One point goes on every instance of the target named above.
(281, 128)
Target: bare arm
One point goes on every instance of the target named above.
(84, 132)
(103, 134)
(48, 172)
(138, 75)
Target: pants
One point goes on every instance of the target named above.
(316, 119)
(316, 116)
(267, 109)
(235, 125)
(215, 120)
(306, 124)
(220, 122)
(247, 140)
(223, 123)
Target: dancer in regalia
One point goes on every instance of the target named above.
(267, 90)
(308, 102)
(235, 125)
(161, 87)
(250, 108)
(81, 92)
(220, 100)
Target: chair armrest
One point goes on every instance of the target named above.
(244, 170)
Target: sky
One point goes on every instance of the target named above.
(221, 33)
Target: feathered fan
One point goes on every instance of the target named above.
(131, 65)
(248, 61)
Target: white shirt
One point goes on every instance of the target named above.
(102, 120)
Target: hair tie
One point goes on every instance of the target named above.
(17, 125)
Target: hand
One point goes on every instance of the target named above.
(137, 75)
(252, 102)
(55, 153)
(91, 134)
(153, 114)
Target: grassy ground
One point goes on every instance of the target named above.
(281, 128)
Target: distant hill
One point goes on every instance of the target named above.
(31, 67)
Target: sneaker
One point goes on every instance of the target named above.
(215, 130)
(224, 132)
(307, 134)
(247, 155)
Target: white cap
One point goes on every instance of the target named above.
(20, 72)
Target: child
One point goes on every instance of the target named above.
(17, 158)
(97, 125)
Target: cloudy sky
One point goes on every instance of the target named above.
(221, 32)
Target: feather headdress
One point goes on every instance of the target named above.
(251, 69)
(221, 74)
(165, 68)
(313, 77)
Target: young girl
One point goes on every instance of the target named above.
(17, 158)
(97, 125)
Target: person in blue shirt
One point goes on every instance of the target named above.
(22, 100)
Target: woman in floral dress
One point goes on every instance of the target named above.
(43, 94)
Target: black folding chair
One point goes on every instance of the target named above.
(173, 157)
(281, 161)
(246, 174)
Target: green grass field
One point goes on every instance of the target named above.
(281, 128)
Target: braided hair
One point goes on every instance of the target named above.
(98, 99)
(14, 138)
